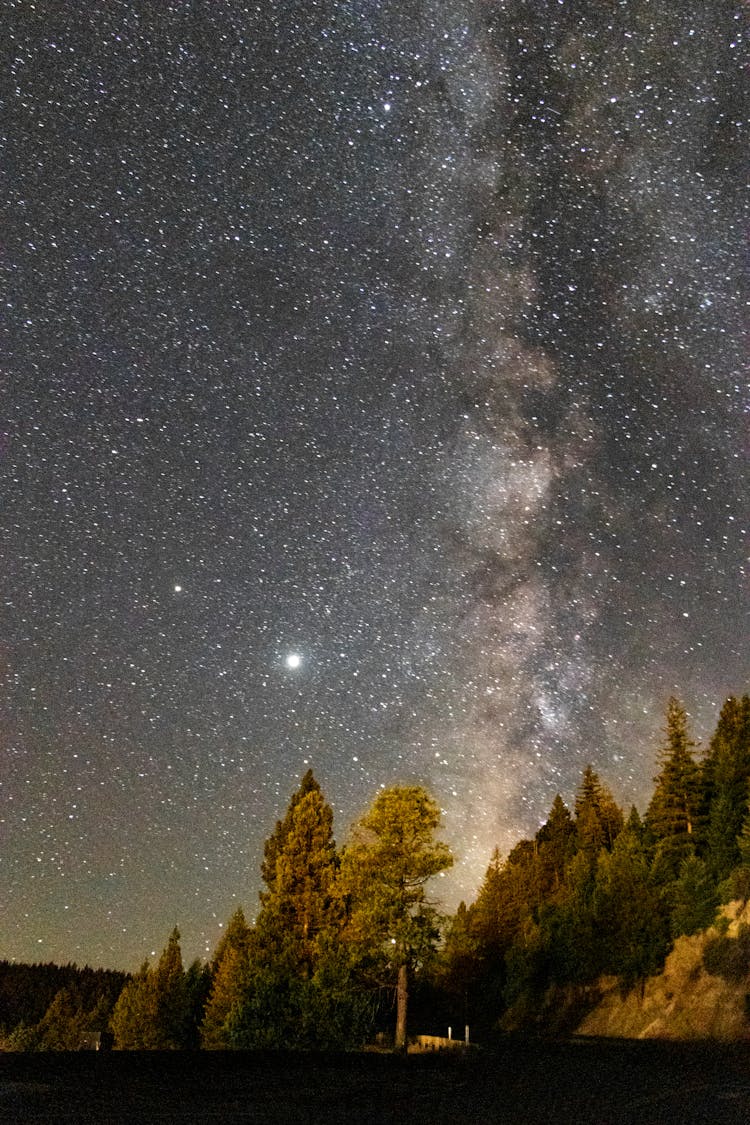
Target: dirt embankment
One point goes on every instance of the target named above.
(685, 1001)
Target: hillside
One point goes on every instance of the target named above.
(686, 1001)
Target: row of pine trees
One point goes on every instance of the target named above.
(597, 892)
(345, 940)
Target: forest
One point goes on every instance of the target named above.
(348, 949)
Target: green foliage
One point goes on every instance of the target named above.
(231, 976)
(589, 894)
(284, 1011)
(198, 981)
(671, 817)
(291, 982)
(725, 780)
(737, 886)
(630, 922)
(63, 1025)
(599, 820)
(392, 855)
(153, 1010)
(694, 898)
(496, 915)
(27, 991)
(299, 868)
(133, 1022)
(277, 840)
(556, 841)
(24, 1037)
(743, 840)
(384, 871)
(456, 969)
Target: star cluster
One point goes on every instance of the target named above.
(373, 399)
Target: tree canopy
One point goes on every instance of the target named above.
(392, 855)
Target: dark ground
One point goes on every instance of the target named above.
(574, 1083)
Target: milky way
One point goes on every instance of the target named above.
(373, 399)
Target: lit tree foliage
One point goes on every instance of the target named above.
(671, 816)
(630, 922)
(555, 840)
(152, 1012)
(392, 855)
(299, 869)
(694, 898)
(726, 781)
(599, 820)
(231, 974)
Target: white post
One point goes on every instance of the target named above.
(450, 1032)
(466, 1035)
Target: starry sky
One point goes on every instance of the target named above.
(373, 398)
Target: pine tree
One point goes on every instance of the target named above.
(694, 898)
(671, 816)
(485, 914)
(152, 1012)
(231, 974)
(384, 870)
(299, 869)
(555, 839)
(63, 1025)
(133, 1021)
(275, 843)
(629, 918)
(725, 781)
(459, 962)
(198, 981)
(172, 1006)
(599, 819)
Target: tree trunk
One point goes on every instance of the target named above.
(402, 997)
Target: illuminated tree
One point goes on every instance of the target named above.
(555, 844)
(299, 869)
(599, 820)
(152, 1012)
(671, 816)
(231, 973)
(726, 776)
(384, 870)
(694, 898)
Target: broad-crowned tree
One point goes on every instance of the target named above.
(392, 855)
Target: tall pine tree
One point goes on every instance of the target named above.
(671, 817)
(231, 974)
(299, 869)
(725, 782)
(153, 1010)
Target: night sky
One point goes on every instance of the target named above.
(373, 398)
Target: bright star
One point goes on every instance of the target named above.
(293, 660)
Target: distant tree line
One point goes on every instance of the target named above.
(55, 1007)
(346, 942)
